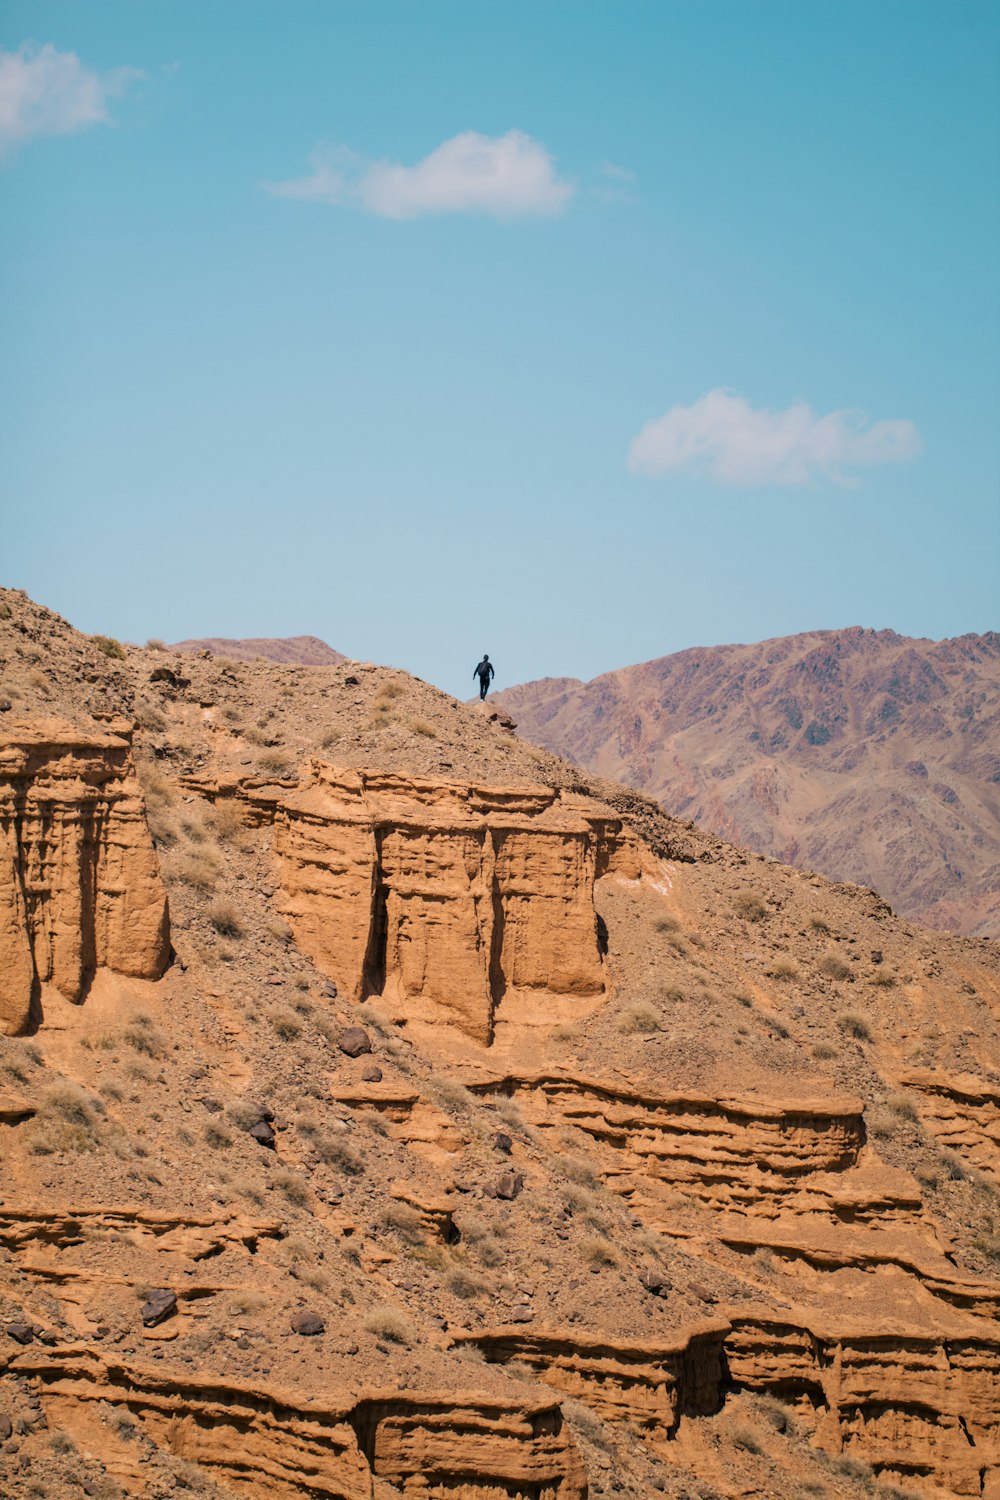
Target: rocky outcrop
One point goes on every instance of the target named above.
(963, 1112)
(263, 1442)
(651, 1383)
(79, 883)
(745, 1154)
(448, 901)
(918, 1405)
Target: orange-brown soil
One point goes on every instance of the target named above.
(860, 753)
(670, 1170)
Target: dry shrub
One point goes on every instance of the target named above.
(749, 905)
(902, 1105)
(403, 1221)
(466, 1284)
(40, 681)
(199, 868)
(745, 1438)
(391, 1324)
(216, 1136)
(784, 969)
(639, 1017)
(389, 690)
(819, 925)
(17, 1058)
(149, 717)
(142, 1036)
(108, 646)
(598, 1251)
(276, 761)
(156, 645)
(223, 917)
(835, 967)
(851, 1024)
(823, 1051)
(667, 924)
(279, 930)
(5, 610)
(884, 979)
(68, 1119)
(286, 1024)
(421, 726)
(336, 1151)
(227, 819)
(293, 1188)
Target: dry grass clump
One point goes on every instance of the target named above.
(217, 1136)
(784, 969)
(279, 930)
(744, 1438)
(278, 762)
(466, 1284)
(819, 925)
(227, 819)
(835, 967)
(156, 644)
(243, 1302)
(149, 718)
(68, 1119)
(223, 917)
(851, 1024)
(108, 646)
(884, 979)
(749, 905)
(402, 1220)
(293, 1188)
(598, 1251)
(17, 1058)
(902, 1105)
(484, 1242)
(421, 726)
(639, 1017)
(286, 1024)
(5, 610)
(391, 1324)
(141, 1035)
(451, 1096)
(198, 868)
(823, 1051)
(335, 1150)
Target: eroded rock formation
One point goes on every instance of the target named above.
(446, 900)
(257, 1440)
(79, 883)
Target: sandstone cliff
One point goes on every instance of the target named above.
(79, 883)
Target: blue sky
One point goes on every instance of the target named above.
(400, 324)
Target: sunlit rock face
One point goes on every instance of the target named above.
(79, 882)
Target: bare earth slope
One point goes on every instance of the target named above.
(302, 650)
(457, 1125)
(861, 753)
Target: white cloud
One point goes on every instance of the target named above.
(506, 176)
(46, 92)
(722, 435)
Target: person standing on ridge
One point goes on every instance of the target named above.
(485, 674)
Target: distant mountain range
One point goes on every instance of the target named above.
(863, 754)
(300, 650)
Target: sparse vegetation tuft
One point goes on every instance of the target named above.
(108, 646)
(835, 967)
(639, 1017)
(851, 1024)
(749, 905)
(391, 1324)
(222, 915)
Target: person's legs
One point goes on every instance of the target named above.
(484, 683)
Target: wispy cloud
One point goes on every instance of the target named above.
(506, 176)
(47, 92)
(723, 436)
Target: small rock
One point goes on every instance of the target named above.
(6, 1427)
(275, 979)
(308, 1323)
(509, 1185)
(876, 955)
(262, 1134)
(354, 1040)
(698, 1289)
(521, 1314)
(21, 1333)
(162, 1304)
(502, 1142)
(351, 682)
(212, 1105)
(5, 705)
(329, 989)
(372, 1073)
(655, 1282)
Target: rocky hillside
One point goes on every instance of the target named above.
(299, 650)
(860, 753)
(457, 1124)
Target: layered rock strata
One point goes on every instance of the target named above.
(445, 900)
(79, 882)
(258, 1441)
